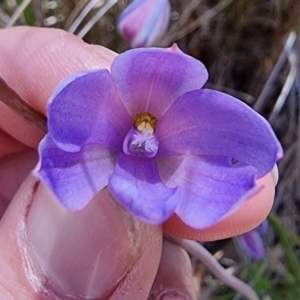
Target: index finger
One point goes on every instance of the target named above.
(33, 62)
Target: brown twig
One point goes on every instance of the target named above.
(13, 100)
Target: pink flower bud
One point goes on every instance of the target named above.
(144, 22)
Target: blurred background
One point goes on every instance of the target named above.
(251, 50)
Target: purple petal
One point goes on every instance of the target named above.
(137, 186)
(85, 109)
(144, 22)
(252, 244)
(151, 80)
(207, 122)
(74, 177)
(209, 188)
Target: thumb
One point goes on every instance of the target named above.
(99, 252)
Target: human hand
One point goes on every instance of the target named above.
(101, 251)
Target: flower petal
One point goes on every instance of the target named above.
(137, 186)
(209, 188)
(207, 122)
(74, 177)
(151, 80)
(251, 243)
(144, 22)
(86, 109)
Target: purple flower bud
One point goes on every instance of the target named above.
(251, 242)
(263, 228)
(144, 22)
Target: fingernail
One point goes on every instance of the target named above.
(275, 174)
(84, 254)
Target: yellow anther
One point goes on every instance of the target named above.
(149, 128)
(142, 126)
(145, 121)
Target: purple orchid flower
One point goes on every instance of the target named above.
(144, 22)
(159, 142)
(251, 242)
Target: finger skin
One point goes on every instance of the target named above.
(9, 145)
(47, 57)
(14, 168)
(17, 278)
(174, 276)
(53, 54)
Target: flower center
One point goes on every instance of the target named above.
(145, 121)
(141, 139)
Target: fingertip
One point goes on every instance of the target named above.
(174, 280)
(33, 61)
(247, 217)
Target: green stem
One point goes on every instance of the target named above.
(286, 240)
(28, 14)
